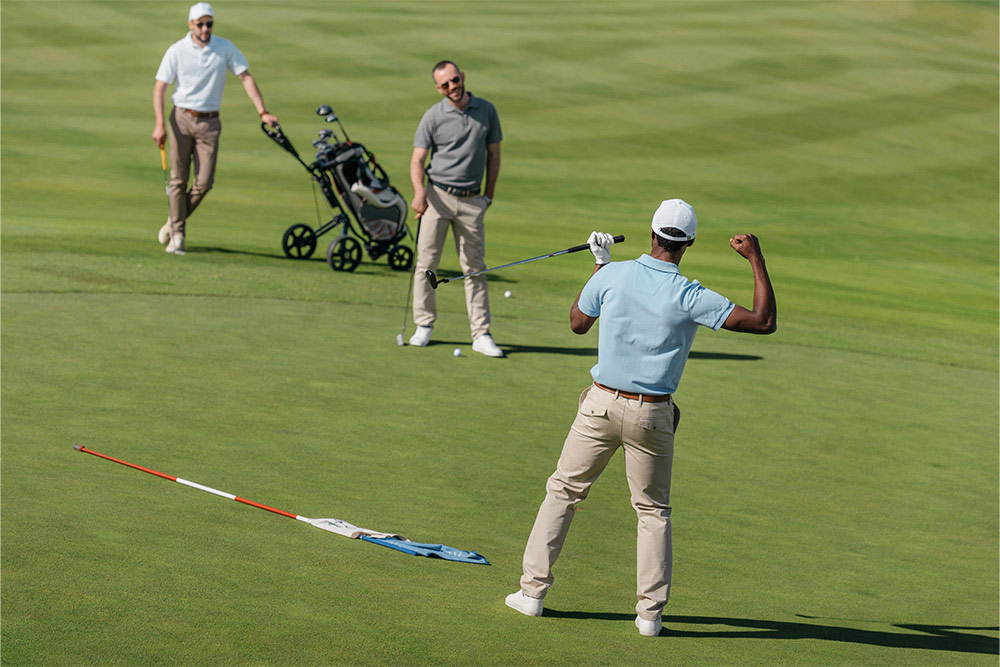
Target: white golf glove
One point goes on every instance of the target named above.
(599, 245)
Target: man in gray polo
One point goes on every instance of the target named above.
(649, 316)
(461, 134)
(197, 65)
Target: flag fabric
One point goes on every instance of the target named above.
(429, 550)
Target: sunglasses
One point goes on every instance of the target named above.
(205, 24)
(455, 80)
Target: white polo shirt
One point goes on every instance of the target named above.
(200, 71)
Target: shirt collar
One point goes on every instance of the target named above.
(448, 106)
(658, 264)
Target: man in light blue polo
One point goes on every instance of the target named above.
(649, 316)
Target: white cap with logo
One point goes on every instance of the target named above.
(198, 10)
(678, 214)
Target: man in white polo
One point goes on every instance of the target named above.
(461, 134)
(197, 65)
(649, 316)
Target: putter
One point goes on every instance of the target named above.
(435, 281)
(338, 526)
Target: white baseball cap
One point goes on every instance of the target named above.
(198, 10)
(678, 214)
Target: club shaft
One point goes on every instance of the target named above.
(193, 485)
(577, 248)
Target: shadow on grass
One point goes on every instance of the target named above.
(316, 257)
(956, 638)
(510, 349)
(723, 356)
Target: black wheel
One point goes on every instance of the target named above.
(343, 254)
(299, 242)
(400, 258)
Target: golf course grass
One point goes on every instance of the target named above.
(835, 485)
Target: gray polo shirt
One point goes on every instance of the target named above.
(457, 141)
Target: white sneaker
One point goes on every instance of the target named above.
(484, 344)
(421, 337)
(176, 245)
(648, 628)
(528, 606)
(164, 236)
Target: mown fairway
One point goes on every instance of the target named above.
(835, 485)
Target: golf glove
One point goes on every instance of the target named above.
(599, 243)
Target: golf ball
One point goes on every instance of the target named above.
(457, 352)
(506, 294)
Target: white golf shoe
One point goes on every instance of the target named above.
(484, 344)
(176, 245)
(164, 235)
(648, 628)
(528, 606)
(421, 337)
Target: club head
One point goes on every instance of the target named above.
(325, 134)
(431, 277)
(331, 118)
(324, 110)
(399, 340)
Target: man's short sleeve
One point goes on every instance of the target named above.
(591, 295)
(424, 137)
(167, 71)
(495, 134)
(707, 308)
(235, 61)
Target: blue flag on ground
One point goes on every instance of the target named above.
(429, 550)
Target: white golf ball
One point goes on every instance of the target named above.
(506, 294)
(457, 352)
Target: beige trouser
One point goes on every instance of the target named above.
(646, 433)
(194, 139)
(464, 215)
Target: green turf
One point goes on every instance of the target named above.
(835, 486)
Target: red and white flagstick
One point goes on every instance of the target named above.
(194, 485)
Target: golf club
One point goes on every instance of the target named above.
(400, 337)
(435, 281)
(338, 526)
(166, 176)
(330, 117)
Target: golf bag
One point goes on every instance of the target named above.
(353, 185)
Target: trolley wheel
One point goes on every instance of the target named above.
(343, 253)
(400, 258)
(299, 242)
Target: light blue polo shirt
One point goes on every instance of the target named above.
(649, 316)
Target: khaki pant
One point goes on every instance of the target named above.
(604, 423)
(191, 139)
(464, 215)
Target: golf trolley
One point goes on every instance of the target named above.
(351, 180)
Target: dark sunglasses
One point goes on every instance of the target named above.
(206, 24)
(455, 80)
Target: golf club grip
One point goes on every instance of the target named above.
(585, 246)
(163, 158)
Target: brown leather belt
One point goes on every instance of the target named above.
(200, 114)
(642, 398)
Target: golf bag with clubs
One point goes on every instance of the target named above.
(351, 182)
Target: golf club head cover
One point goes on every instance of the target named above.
(599, 246)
